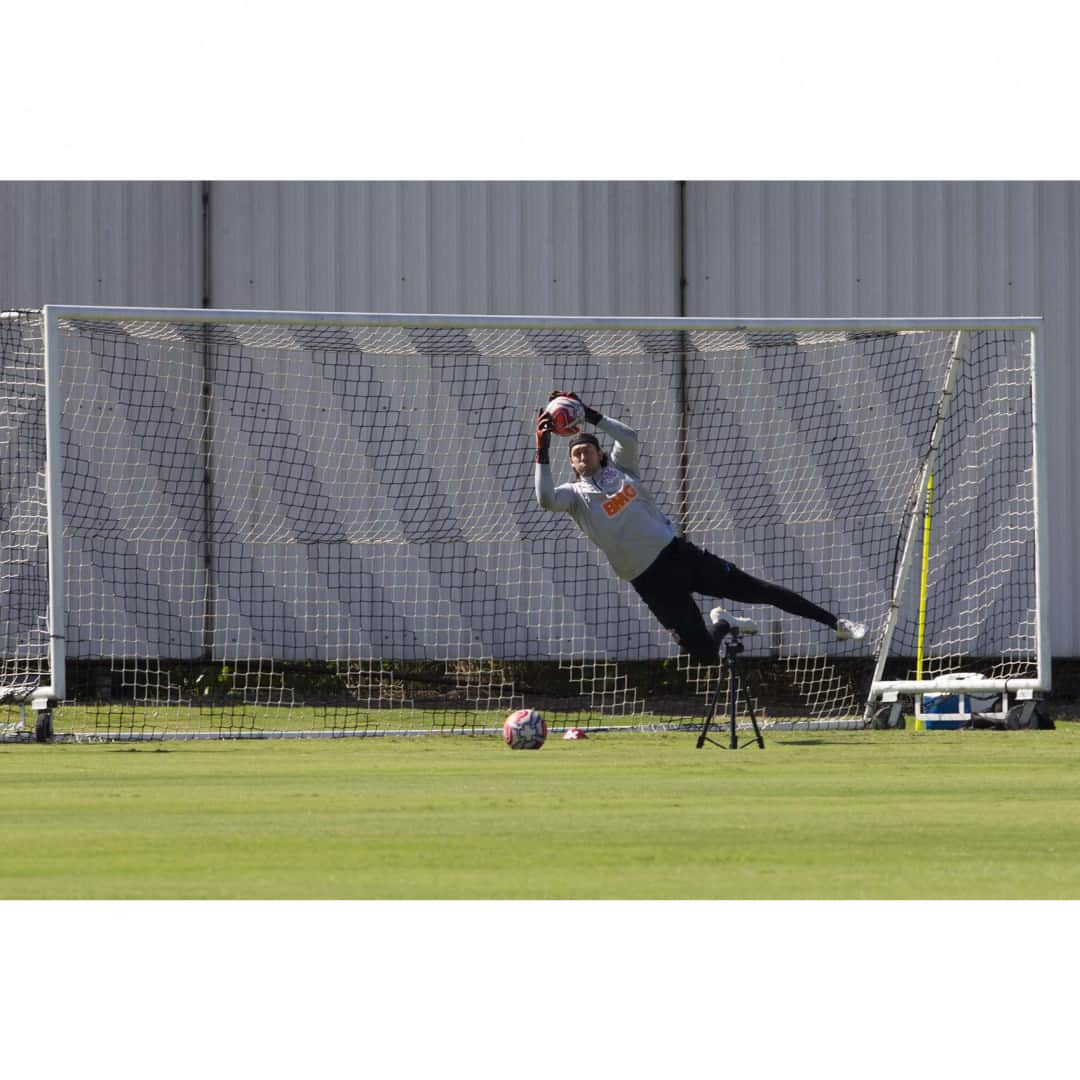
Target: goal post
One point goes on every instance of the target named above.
(268, 523)
(28, 653)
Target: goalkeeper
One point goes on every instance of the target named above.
(616, 512)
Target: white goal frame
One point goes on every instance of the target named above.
(881, 688)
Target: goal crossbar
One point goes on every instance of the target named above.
(539, 322)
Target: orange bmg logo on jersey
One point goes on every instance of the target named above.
(620, 500)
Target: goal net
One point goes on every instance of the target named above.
(24, 578)
(300, 524)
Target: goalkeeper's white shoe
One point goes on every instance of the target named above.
(734, 622)
(847, 630)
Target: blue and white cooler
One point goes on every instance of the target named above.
(952, 709)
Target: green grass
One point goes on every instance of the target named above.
(813, 815)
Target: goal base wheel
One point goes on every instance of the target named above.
(1028, 716)
(43, 726)
(890, 718)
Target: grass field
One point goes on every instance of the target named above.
(813, 815)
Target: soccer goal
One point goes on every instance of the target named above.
(252, 524)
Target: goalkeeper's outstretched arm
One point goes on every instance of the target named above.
(546, 494)
(627, 446)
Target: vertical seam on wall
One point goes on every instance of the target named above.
(207, 296)
(683, 492)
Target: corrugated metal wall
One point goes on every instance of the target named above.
(770, 248)
(100, 243)
(498, 248)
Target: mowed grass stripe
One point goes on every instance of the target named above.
(619, 816)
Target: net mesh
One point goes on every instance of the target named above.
(291, 529)
(24, 587)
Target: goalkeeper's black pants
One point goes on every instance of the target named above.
(682, 569)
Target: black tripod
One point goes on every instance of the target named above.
(732, 647)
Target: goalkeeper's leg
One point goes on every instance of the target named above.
(666, 589)
(679, 614)
(682, 569)
(713, 576)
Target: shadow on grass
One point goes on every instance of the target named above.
(847, 740)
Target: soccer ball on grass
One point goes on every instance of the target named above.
(525, 729)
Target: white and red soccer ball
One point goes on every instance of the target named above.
(525, 729)
(566, 415)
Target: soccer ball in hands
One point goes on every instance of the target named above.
(566, 414)
(525, 729)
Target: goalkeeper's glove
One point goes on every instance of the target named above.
(590, 414)
(543, 437)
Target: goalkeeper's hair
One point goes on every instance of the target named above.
(577, 440)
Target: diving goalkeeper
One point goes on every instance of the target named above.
(614, 509)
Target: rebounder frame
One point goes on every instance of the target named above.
(1022, 689)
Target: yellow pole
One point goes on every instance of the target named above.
(928, 515)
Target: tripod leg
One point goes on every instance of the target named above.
(733, 701)
(710, 712)
(753, 718)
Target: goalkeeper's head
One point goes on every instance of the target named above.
(586, 457)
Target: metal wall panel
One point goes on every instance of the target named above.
(768, 248)
(100, 243)
(479, 248)
(920, 249)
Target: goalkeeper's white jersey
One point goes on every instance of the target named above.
(613, 507)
